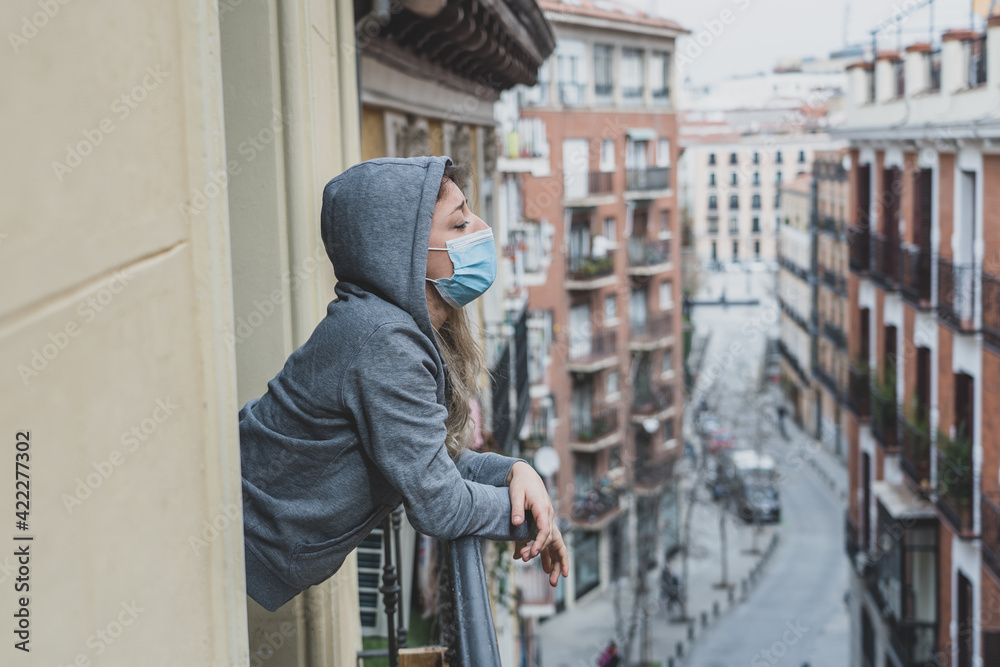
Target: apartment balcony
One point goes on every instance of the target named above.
(651, 333)
(991, 311)
(915, 454)
(649, 179)
(829, 225)
(956, 295)
(590, 354)
(598, 430)
(589, 272)
(835, 335)
(588, 189)
(827, 380)
(915, 275)
(885, 261)
(954, 487)
(653, 399)
(884, 420)
(859, 241)
(792, 361)
(646, 257)
(596, 506)
(990, 515)
(915, 642)
(572, 94)
(858, 393)
(851, 542)
(832, 279)
(653, 474)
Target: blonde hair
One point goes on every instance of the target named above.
(462, 353)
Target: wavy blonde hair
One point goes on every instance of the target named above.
(461, 350)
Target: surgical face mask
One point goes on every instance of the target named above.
(475, 260)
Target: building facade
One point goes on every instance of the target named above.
(923, 321)
(601, 264)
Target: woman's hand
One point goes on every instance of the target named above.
(528, 493)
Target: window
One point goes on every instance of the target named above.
(663, 153)
(610, 308)
(711, 158)
(734, 225)
(756, 178)
(636, 153)
(637, 309)
(569, 65)
(715, 251)
(602, 70)
(756, 157)
(668, 360)
(734, 201)
(668, 430)
(659, 65)
(666, 295)
(713, 202)
(611, 383)
(802, 156)
(777, 200)
(713, 225)
(665, 231)
(756, 225)
(734, 179)
(609, 231)
(756, 249)
(736, 249)
(755, 202)
(777, 177)
(777, 157)
(711, 180)
(607, 155)
(632, 87)
(538, 95)
(732, 158)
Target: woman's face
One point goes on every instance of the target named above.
(452, 219)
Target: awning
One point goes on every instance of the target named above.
(641, 134)
(900, 502)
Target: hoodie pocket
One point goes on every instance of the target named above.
(315, 562)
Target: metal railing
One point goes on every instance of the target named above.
(955, 493)
(977, 61)
(915, 642)
(651, 399)
(851, 543)
(956, 294)
(990, 511)
(915, 453)
(884, 260)
(643, 252)
(835, 334)
(653, 473)
(827, 380)
(603, 420)
(991, 310)
(934, 65)
(858, 393)
(884, 420)
(915, 275)
(594, 503)
(600, 345)
(833, 279)
(859, 240)
(650, 178)
(652, 328)
(590, 268)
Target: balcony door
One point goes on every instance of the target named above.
(576, 165)
(579, 332)
(922, 196)
(582, 392)
(964, 621)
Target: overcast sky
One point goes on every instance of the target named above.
(763, 31)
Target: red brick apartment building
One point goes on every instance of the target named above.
(610, 401)
(923, 425)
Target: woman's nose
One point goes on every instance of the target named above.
(478, 225)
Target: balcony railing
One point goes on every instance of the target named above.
(860, 248)
(955, 493)
(835, 334)
(590, 268)
(915, 453)
(858, 393)
(651, 329)
(650, 399)
(643, 252)
(827, 381)
(603, 420)
(600, 345)
(651, 178)
(832, 279)
(600, 182)
(991, 310)
(884, 420)
(915, 275)
(851, 542)
(915, 642)
(956, 294)
(885, 260)
(571, 94)
(592, 505)
(977, 62)
(990, 511)
(934, 65)
(653, 473)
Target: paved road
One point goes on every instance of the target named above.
(796, 614)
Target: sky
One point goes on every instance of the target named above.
(761, 32)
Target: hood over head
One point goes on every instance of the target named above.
(376, 226)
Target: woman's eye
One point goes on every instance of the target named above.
(464, 224)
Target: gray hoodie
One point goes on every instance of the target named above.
(354, 423)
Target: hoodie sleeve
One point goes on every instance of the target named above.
(390, 391)
(486, 467)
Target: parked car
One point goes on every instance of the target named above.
(757, 500)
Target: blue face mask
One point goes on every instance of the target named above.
(475, 260)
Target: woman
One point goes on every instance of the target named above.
(373, 409)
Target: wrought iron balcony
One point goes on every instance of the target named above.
(835, 334)
(653, 473)
(859, 240)
(828, 381)
(832, 279)
(915, 453)
(915, 275)
(851, 543)
(650, 399)
(990, 510)
(828, 224)
(991, 310)
(594, 353)
(651, 329)
(884, 421)
(588, 268)
(954, 486)
(644, 252)
(594, 504)
(650, 178)
(602, 420)
(885, 261)
(956, 294)
(858, 393)
(915, 642)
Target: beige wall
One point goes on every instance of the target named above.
(128, 272)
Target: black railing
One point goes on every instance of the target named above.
(476, 643)
(590, 268)
(827, 380)
(653, 473)
(915, 453)
(956, 294)
(851, 543)
(522, 380)
(602, 345)
(651, 178)
(603, 420)
(835, 334)
(792, 361)
(859, 240)
(885, 260)
(500, 392)
(884, 420)
(643, 252)
(632, 93)
(833, 280)
(828, 223)
(954, 482)
(858, 393)
(915, 642)
(593, 504)
(977, 62)
(600, 182)
(650, 399)
(990, 512)
(915, 275)
(991, 310)
(652, 328)
(934, 65)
